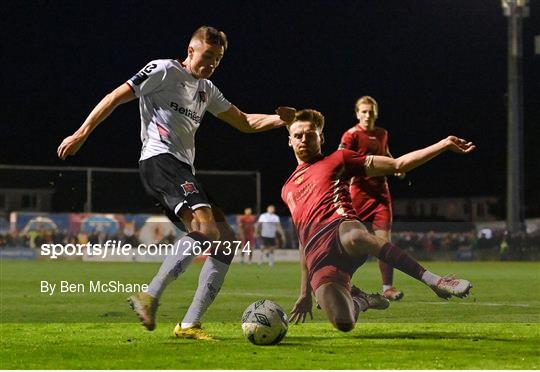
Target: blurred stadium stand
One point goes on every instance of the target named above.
(116, 207)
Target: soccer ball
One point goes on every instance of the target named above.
(264, 323)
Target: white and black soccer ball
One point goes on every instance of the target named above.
(264, 323)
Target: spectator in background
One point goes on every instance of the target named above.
(504, 248)
(268, 228)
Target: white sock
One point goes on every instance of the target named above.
(173, 265)
(270, 259)
(429, 278)
(210, 280)
(385, 287)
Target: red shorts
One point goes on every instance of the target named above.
(326, 260)
(249, 239)
(376, 214)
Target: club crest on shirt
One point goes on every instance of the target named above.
(189, 188)
(203, 97)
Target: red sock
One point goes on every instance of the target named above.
(387, 273)
(401, 260)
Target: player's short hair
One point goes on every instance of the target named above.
(369, 101)
(312, 116)
(210, 35)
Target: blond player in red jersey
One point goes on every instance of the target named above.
(370, 195)
(334, 243)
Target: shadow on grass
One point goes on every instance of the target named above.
(435, 335)
(293, 341)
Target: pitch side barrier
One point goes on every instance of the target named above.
(149, 238)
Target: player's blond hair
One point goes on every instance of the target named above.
(312, 116)
(210, 35)
(368, 100)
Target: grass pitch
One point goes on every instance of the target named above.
(497, 327)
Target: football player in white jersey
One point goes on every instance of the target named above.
(173, 97)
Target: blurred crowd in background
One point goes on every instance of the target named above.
(473, 244)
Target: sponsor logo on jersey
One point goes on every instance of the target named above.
(203, 97)
(303, 191)
(189, 188)
(299, 180)
(186, 112)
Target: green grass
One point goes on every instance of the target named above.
(497, 327)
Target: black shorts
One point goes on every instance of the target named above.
(172, 185)
(268, 242)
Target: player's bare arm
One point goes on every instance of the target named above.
(71, 144)
(399, 175)
(383, 165)
(304, 303)
(252, 123)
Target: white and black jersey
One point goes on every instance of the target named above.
(172, 104)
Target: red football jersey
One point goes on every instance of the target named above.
(246, 222)
(364, 142)
(317, 193)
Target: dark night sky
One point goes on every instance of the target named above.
(436, 68)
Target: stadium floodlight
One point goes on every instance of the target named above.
(519, 5)
(515, 10)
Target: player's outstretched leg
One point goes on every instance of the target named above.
(444, 287)
(357, 242)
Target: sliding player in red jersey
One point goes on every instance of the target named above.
(334, 243)
(370, 195)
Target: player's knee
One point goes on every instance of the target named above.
(211, 231)
(357, 240)
(226, 233)
(342, 322)
(344, 326)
